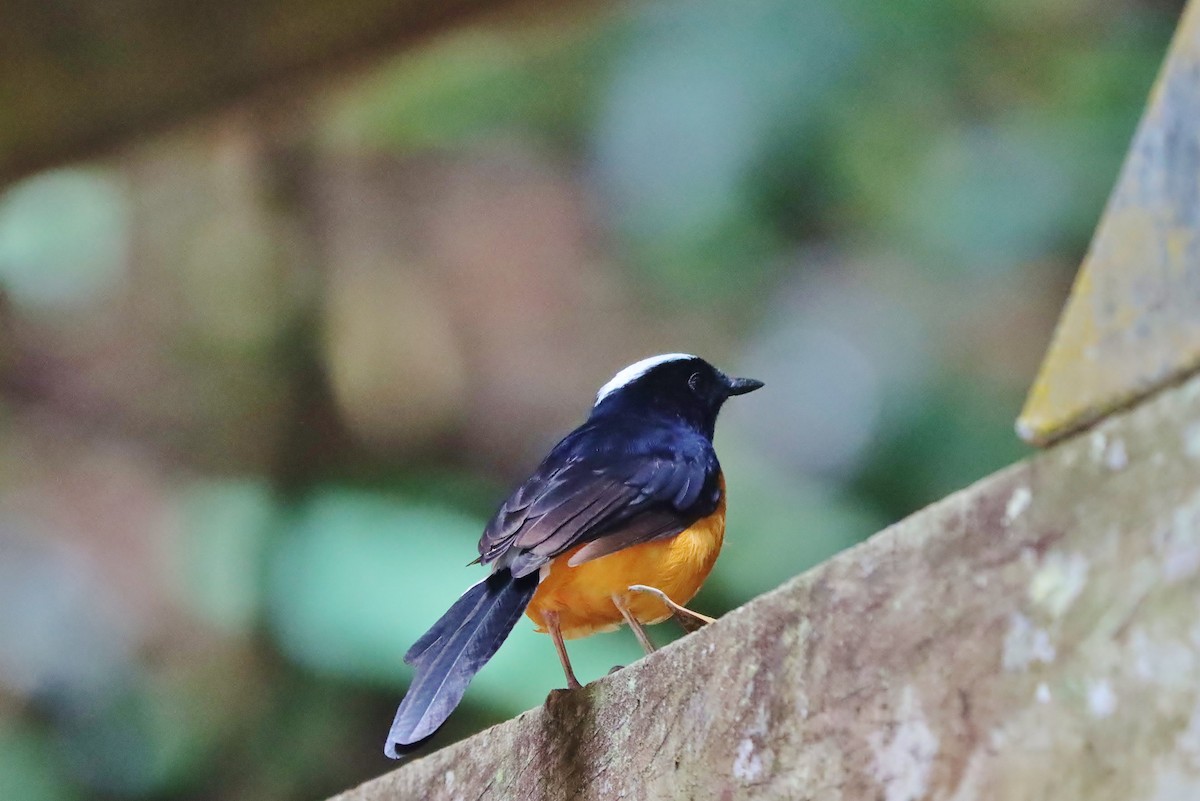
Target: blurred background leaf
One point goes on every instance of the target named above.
(63, 237)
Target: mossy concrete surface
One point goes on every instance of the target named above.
(1035, 636)
(1132, 323)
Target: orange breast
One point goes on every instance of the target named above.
(582, 595)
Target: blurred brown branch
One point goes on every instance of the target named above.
(79, 77)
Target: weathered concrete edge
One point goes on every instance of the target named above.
(1131, 325)
(1033, 636)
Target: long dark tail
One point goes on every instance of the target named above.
(449, 655)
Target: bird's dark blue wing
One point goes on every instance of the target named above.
(613, 486)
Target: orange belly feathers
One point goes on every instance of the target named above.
(582, 595)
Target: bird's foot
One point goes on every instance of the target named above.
(689, 620)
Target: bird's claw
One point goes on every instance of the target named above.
(689, 620)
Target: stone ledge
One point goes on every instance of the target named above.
(1032, 637)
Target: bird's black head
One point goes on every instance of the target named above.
(674, 385)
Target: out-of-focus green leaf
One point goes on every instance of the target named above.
(64, 236)
(360, 576)
(149, 739)
(221, 555)
(28, 767)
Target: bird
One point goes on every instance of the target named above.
(621, 523)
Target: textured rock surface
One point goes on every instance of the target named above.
(1033, 637)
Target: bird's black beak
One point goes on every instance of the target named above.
(740, 386)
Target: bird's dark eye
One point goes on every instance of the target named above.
(696, 382)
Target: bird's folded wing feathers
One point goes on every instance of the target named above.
(609, 503)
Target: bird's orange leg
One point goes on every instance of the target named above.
(639, 630)
(551, 620)
(689, 620)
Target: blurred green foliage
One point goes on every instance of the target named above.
(28, 767)
(63, 237)
(874, 207)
